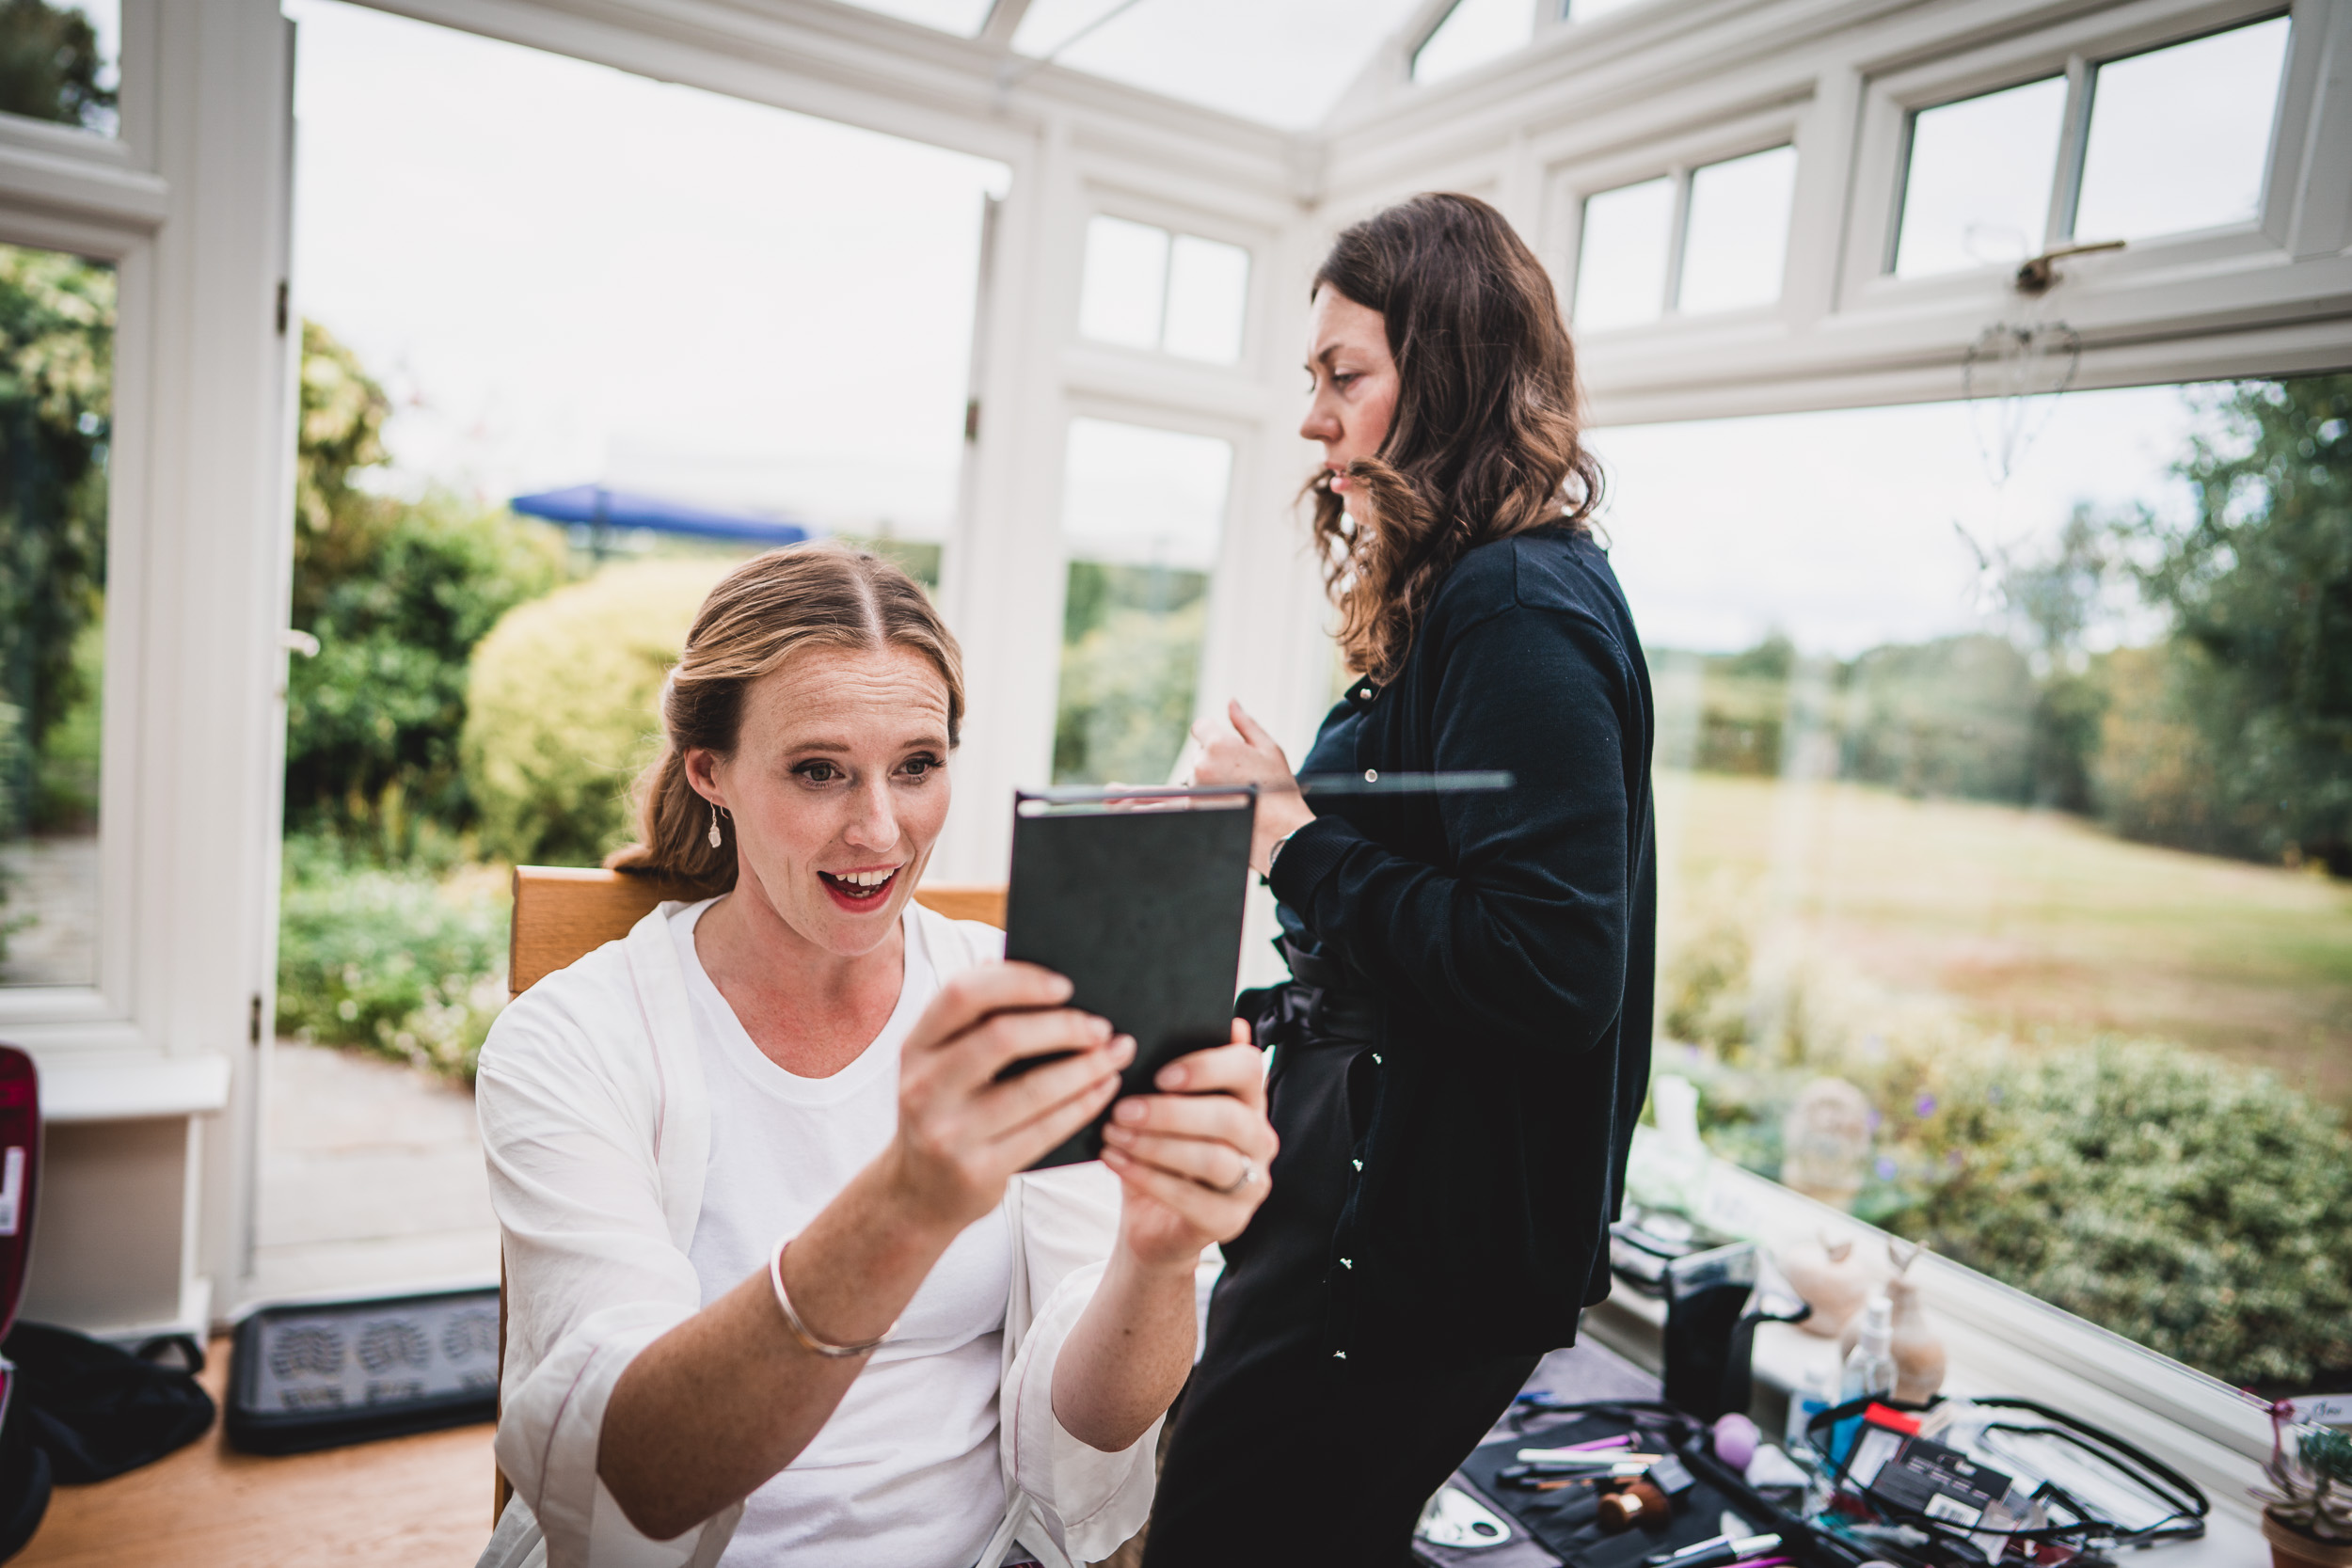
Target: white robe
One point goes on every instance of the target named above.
(596, 1126)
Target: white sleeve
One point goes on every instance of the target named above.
(1090, 1500)
(593, 1276)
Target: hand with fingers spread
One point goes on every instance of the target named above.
(1193, 1159)
(1244, 753)
(962, 1131)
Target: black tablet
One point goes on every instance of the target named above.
(1136, 896)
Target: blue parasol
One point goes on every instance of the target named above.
(601, 506)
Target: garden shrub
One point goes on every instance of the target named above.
(560, 707)
(2201, 1209)
(2194, 1206)
(390, 961)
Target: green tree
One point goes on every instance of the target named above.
(50, 65)
(397, 594)
(57, 361)
(2259, 585)
(2056, 599)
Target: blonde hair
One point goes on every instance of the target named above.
(770, 608)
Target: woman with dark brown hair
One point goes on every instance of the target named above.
(1464, 1045)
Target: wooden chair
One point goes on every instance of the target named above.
(563, 913)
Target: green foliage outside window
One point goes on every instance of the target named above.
(2232, 736)
(56, 364)
(2259, 585)
(1130, 664)
(2190, 1205)
(392, 960)
(398, 594)
(50, 65)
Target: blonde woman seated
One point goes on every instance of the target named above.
(777, 1292)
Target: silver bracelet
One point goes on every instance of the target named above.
(800, 1330)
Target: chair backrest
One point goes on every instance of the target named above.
(565, 912)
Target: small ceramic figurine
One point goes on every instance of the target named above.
(1831, 1277)
(1825, 1141)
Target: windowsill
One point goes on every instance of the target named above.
(130, 1087)
(1999, 1342)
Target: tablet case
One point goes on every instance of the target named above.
(1136, 896)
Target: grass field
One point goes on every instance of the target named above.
(2030, 923)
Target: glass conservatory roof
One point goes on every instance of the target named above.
(1281, 62)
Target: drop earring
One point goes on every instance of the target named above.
(714, 828)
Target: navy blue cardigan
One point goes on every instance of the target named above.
(1511, 938)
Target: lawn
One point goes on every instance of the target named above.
(2033, 924)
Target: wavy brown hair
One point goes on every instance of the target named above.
(1486, 441)
(760, 615)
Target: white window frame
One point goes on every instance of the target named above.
(2073, 51)
(1571, 181)
(198, 524)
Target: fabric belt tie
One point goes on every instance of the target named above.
(1323, 1004)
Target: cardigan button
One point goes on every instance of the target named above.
(1376, 1058)
(1347, 1262)
(1357, 1163)
(1339, 1356)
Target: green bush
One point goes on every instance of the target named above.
(2199, 1208)
(560, 707)
(390, 961)
(1130, 665)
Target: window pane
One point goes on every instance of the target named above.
(1474, 32)
(1977, 191)
(1284, 65)
(64, 62)
(1621, 262)
(2180, 138)
(1208, 298)
(56, 323)
(1141, 516)
(1126, 282)
(2045, 868)
(952, 16)
(1738, 241)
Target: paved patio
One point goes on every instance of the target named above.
(370, 1178)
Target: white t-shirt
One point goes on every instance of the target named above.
(905, 1474)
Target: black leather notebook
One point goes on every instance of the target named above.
(1136, 896)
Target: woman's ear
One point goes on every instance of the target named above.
(702, 772)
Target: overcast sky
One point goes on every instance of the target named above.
(566, 273)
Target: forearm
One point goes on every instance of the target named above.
(715, 1407)
(1128, 1355)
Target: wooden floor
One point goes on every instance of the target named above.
(411, 1500)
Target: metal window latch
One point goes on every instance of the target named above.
(2036, 276)
(298, 642)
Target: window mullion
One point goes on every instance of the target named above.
(1678, 236)
(2074, 138)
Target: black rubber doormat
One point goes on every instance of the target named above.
(319, 1374)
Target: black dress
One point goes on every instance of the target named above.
(1458, 1061)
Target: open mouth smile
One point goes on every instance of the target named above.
(860, 890)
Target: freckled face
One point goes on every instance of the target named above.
(1352, 383)
(838, 788)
